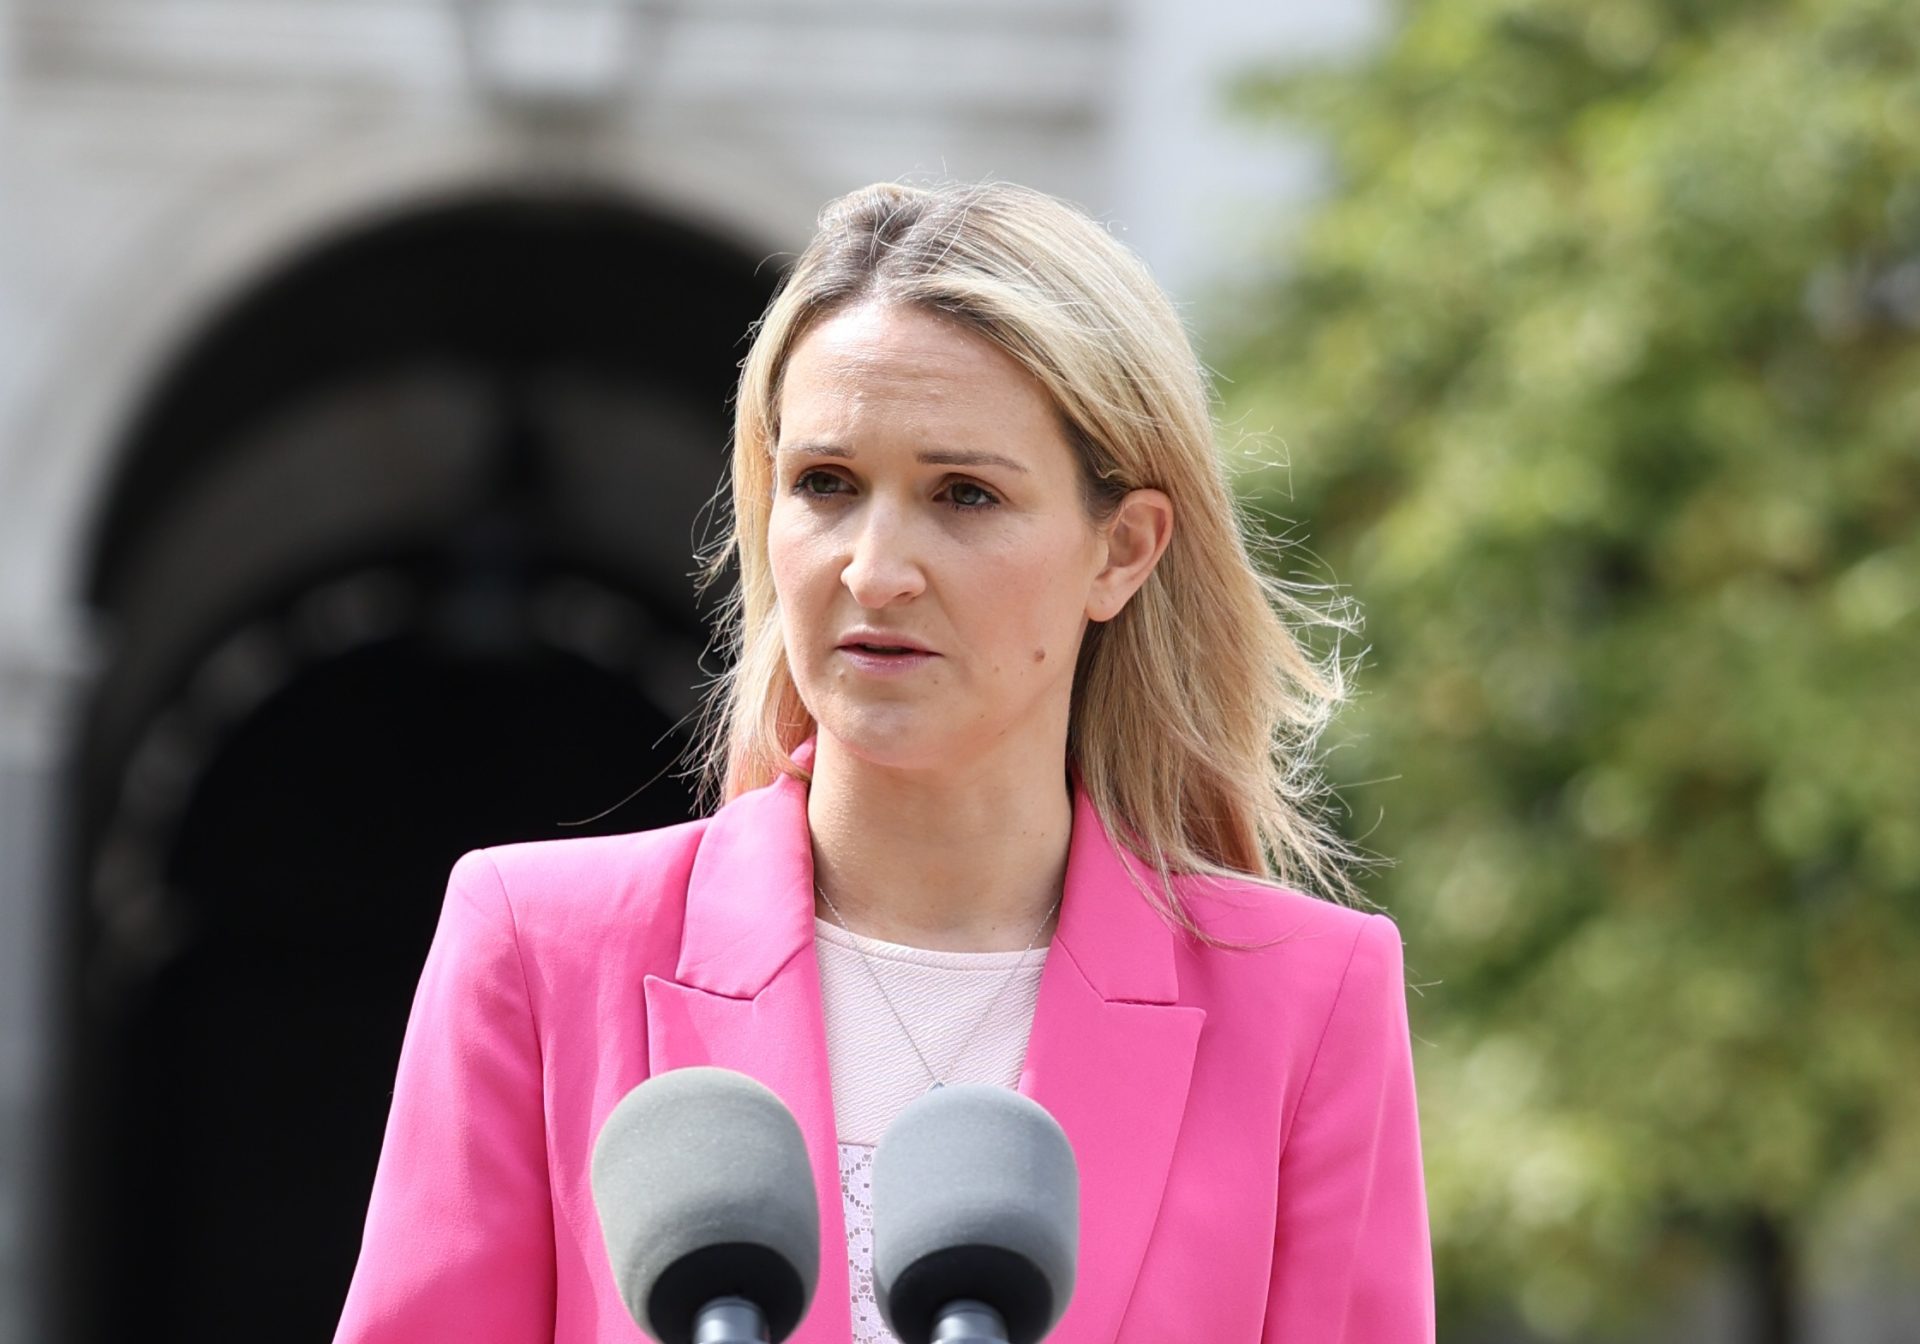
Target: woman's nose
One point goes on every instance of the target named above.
(884, 566)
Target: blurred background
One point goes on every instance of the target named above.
(364, 369)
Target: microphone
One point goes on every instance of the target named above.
(976, 1219)
(707, 1204)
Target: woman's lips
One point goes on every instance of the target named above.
(872, 661)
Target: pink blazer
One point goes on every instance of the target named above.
(1244, 1121)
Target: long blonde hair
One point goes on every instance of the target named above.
(1195, 709)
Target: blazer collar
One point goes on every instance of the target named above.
(750, 891)
(750, 900)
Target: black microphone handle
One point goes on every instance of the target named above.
(734, 1320)
(730, 1320)
(968, 1322)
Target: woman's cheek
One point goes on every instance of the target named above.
(793, 560)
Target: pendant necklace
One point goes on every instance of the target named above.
(887, 999)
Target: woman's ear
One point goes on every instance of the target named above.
(1135, 538)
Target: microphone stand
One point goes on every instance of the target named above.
(730, 1320)
(968, 1322)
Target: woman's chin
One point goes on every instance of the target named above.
(891, 741)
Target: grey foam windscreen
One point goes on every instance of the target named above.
(704, 1191)
(976, 1195)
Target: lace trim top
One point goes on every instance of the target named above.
(941, 997)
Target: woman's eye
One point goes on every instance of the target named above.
(968, 496)
(802, 484)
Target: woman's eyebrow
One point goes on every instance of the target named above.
(939, 457)
(956, 457)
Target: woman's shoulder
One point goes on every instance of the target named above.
(1242, 909)
(1273, 943)
(580, 887)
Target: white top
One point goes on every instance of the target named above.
(942, 997)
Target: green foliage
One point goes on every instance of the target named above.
(1599, 375)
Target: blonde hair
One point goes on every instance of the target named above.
(1196, 708)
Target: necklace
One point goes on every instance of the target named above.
(901, 1022)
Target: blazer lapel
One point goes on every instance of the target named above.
(746, 996)
(1110, 1056)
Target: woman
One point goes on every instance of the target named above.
(1014, 760)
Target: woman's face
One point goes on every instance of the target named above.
(925, 494)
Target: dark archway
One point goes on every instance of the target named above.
(396, 565)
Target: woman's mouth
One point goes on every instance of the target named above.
(883, 658)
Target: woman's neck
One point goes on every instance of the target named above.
(966, 860)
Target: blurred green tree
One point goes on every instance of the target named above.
(1598, 370)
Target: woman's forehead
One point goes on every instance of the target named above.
(893, 366)
(883, 341)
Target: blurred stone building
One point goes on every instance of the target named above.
(363, 376)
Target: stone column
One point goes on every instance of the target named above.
(41, 677)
